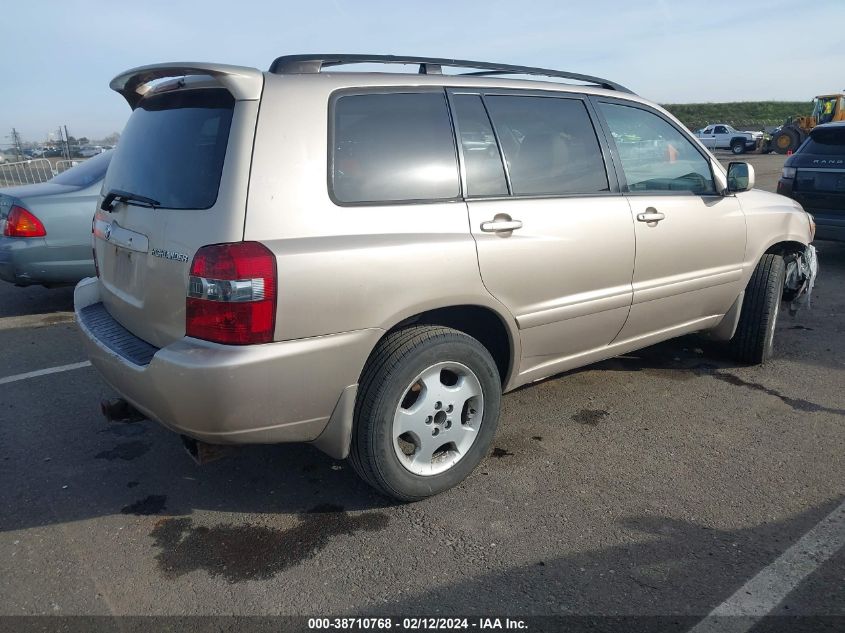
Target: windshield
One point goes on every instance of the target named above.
(86, 173)
(173, 147)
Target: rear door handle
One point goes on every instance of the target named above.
(500, 226)
(652, 216)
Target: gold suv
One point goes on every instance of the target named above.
(367, 260)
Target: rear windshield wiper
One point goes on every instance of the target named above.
(128, 198)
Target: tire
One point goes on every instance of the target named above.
(421, 378)
(753, 340)
(738, 147)
(784, 141)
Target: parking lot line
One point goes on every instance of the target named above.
(765, 591)
(36, 320)
(44, 372)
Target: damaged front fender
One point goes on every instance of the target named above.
(801, 271)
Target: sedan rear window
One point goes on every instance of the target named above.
(173, 147)
(86, 173)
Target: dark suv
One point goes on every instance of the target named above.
(815, 176)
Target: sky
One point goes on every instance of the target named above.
(58, 56)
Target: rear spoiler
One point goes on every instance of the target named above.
(244, 83)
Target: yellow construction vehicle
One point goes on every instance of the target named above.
(790, 135)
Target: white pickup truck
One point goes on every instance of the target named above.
(723, 136)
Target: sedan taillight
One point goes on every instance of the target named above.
(22, 223)
(232, 294)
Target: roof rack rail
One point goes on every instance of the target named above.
(307, 64)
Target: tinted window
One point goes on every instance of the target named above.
(549, 144)
(484, 171)
(173, 147)
(829, 142)
(86, 173)
(721, 129)
(392, 147)
(656, 156)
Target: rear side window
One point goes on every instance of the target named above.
(484, 171)
(549, 144)
(173, 147)
(655, 156)
(393, 147)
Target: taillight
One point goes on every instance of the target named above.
(232, 294)
(21, 223)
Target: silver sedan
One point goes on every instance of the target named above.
(47, 226)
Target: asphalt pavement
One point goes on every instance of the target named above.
(656, 484)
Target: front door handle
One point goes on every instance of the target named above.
(500, 225)
(651, 216)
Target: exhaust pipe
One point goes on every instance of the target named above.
(203, 453)
(120, 411)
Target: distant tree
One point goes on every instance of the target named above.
(83, 140)
(112, 139)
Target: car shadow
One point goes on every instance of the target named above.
(646, 578)
(30, 300)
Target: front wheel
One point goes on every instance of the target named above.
(738, 147)
(753, 340)
(427, 411)
(785, 140)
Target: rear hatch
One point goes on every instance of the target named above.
(820, 171)
(180, 173)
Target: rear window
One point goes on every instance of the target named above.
(173, 147)
(393, 147)
(830, 142)
(86, 173)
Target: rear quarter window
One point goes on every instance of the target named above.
(392, 147)
(173, 147)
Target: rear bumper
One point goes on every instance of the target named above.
(27, 261)
(223, 394)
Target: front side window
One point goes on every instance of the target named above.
(391, 147)
(655, 156)
(549, 144)
(721, 130)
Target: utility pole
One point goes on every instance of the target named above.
(67, 144)
(16, 141)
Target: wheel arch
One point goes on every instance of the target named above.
(495, 331)
(784, 248)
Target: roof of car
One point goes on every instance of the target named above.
(345, 79)
(827, 126)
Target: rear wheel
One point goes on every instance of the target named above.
(753, 341)
(427, 411)
(738, 146)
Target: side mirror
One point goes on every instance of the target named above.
(740, 177)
